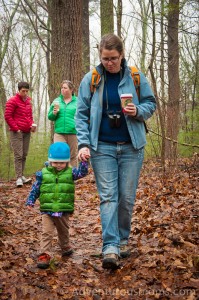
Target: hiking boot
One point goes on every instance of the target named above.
(110, 261)
(26, 180)
(125, 251)
(67, 251)
(43, 261)
(19, 182)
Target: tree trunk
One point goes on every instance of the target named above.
(66, 43)
(106, 12)
(119, 18)
(144, 16)
(151, 65)
(162, 111)
(174, 83)
(85, 38)
(4, 44)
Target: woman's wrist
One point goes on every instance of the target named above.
(83, 146)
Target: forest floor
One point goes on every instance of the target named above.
(164, 261)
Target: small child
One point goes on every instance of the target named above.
(54, 186)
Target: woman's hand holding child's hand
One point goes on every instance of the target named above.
(84, 154)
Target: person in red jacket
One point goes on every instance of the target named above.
(19, 117)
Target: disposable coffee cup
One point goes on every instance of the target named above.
(125, 99)
(34, 127)
(56, 105)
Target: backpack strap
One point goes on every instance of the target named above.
(136, 79)
(134, 73)
(94, 80)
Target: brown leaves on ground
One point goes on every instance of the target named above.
(164, 263)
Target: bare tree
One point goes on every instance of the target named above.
(85, 37)
(119, 17)
(66, 43)
(189, 71)
(107, 20)
(174, 82)
(144, 7)
(4, 43)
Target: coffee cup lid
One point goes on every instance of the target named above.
(126, 95)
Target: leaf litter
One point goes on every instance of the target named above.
(164, 261)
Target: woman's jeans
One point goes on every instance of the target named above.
(117, 169)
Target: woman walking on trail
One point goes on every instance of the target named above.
(115, 140)
(62, 112)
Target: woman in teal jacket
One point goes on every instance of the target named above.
(62, 112)
(115, 140)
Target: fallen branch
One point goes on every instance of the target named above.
(174, 141)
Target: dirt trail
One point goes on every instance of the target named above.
(164, 262)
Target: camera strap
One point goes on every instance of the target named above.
(105, 86)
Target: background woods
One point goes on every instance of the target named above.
(44, 42)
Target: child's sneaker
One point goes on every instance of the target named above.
(67, 251)
(43, 261)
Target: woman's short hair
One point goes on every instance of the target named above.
(111, 41)
(23, 84)
(69, 83)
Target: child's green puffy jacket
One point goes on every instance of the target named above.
(57, 191)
